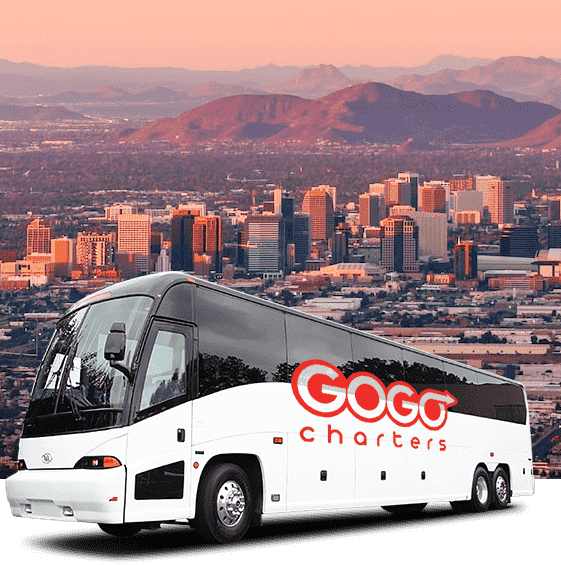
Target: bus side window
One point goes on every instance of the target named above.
(423, 371)
(166, 377)
(378, 358)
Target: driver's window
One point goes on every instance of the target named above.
(166, 373)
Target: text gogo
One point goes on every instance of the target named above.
(322, 390)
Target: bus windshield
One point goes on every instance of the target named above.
(76, 389)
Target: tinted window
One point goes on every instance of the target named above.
(423, 371)
(383, 360)
(178, 303)
(240, 342)
(308, 339)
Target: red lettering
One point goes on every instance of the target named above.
(306, 429)
(361, 435)
(331, 431)
(428, 444)
(415, 442)
(395, 438)
(442, 444)
(379, 438)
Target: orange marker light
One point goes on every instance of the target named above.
(196, 465)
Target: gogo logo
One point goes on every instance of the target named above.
(324, 391)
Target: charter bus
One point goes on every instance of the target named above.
(172, 399)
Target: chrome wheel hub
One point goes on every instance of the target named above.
(481, 490)
(230, 503)
(501, 489)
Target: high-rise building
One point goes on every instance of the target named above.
(413, 180)
(207, 238)
(465, 260)
(398, 191)
(182, 222)
(462, 182)
(400, 243)
(94, 250)
(265, 244)
(134, 237)
(519, 241)
(554, 235)
(498, 199)
(38, 237)
(302, 238)
(432, 198)
(371, 209)
(63, 256)
(554, 209)
(319, 204)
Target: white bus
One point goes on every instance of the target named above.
(167, 398)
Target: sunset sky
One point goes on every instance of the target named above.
(227, 35)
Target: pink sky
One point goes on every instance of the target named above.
(231, 35)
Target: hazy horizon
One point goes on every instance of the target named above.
(220, 35)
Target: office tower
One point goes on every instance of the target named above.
(400, 241)
(338, 245)
(519, 241)
(38, 237)
(207, 238)
(302, 238)
(182, 222)
(94, 250)
(554, 209)
(498, 199)
(398, 191)
(465, 260)
(112, 213)
(133, 237)
(467, 217)
(432, 198)
(377, 188)
(371, 209)
(554, 235)
(461, 200)
(63, 256)
(331, 190)
(194, 208)
(319, 204)
(265, 244)
(413, 180)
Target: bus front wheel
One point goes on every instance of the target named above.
(501, 489)
(480, 492)
(224, 504)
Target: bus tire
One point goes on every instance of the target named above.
(224, 504)
(121, 530)
(481, 493)
(501, 489)
(405, 508)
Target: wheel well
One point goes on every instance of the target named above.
(251, 465)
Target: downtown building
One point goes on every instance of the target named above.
(134, 244)
(400, 244)
(264, 244)
(372, 209)
(318, 203)
(465, 261)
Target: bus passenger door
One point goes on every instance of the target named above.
(158, 449)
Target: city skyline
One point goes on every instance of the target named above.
(225, 36)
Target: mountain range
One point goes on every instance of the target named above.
(365, 112)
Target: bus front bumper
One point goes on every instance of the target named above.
(79, 495)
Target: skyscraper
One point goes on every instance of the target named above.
(498, 199)
(207, 239)
(265, 244)
(94, 250)
(413, 180)
(371, 209)
(519, 241)
(398, 191)
(318, 202)
(133, 237)
(302, 238)
(465, 260)
(400, 243)
(38, 237)
(432, 198)
(182, 223)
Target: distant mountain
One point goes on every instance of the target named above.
(371, 112)
(37, 113)
(545, 136)
(314, 82)
(212, 90)
(521, 78)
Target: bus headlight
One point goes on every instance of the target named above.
(97, 462)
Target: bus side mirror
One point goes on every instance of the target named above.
(116, 342)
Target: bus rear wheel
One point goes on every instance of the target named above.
(121, 530)
(480, 492)
(224, 504)
(405, 508)
(501, 489)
